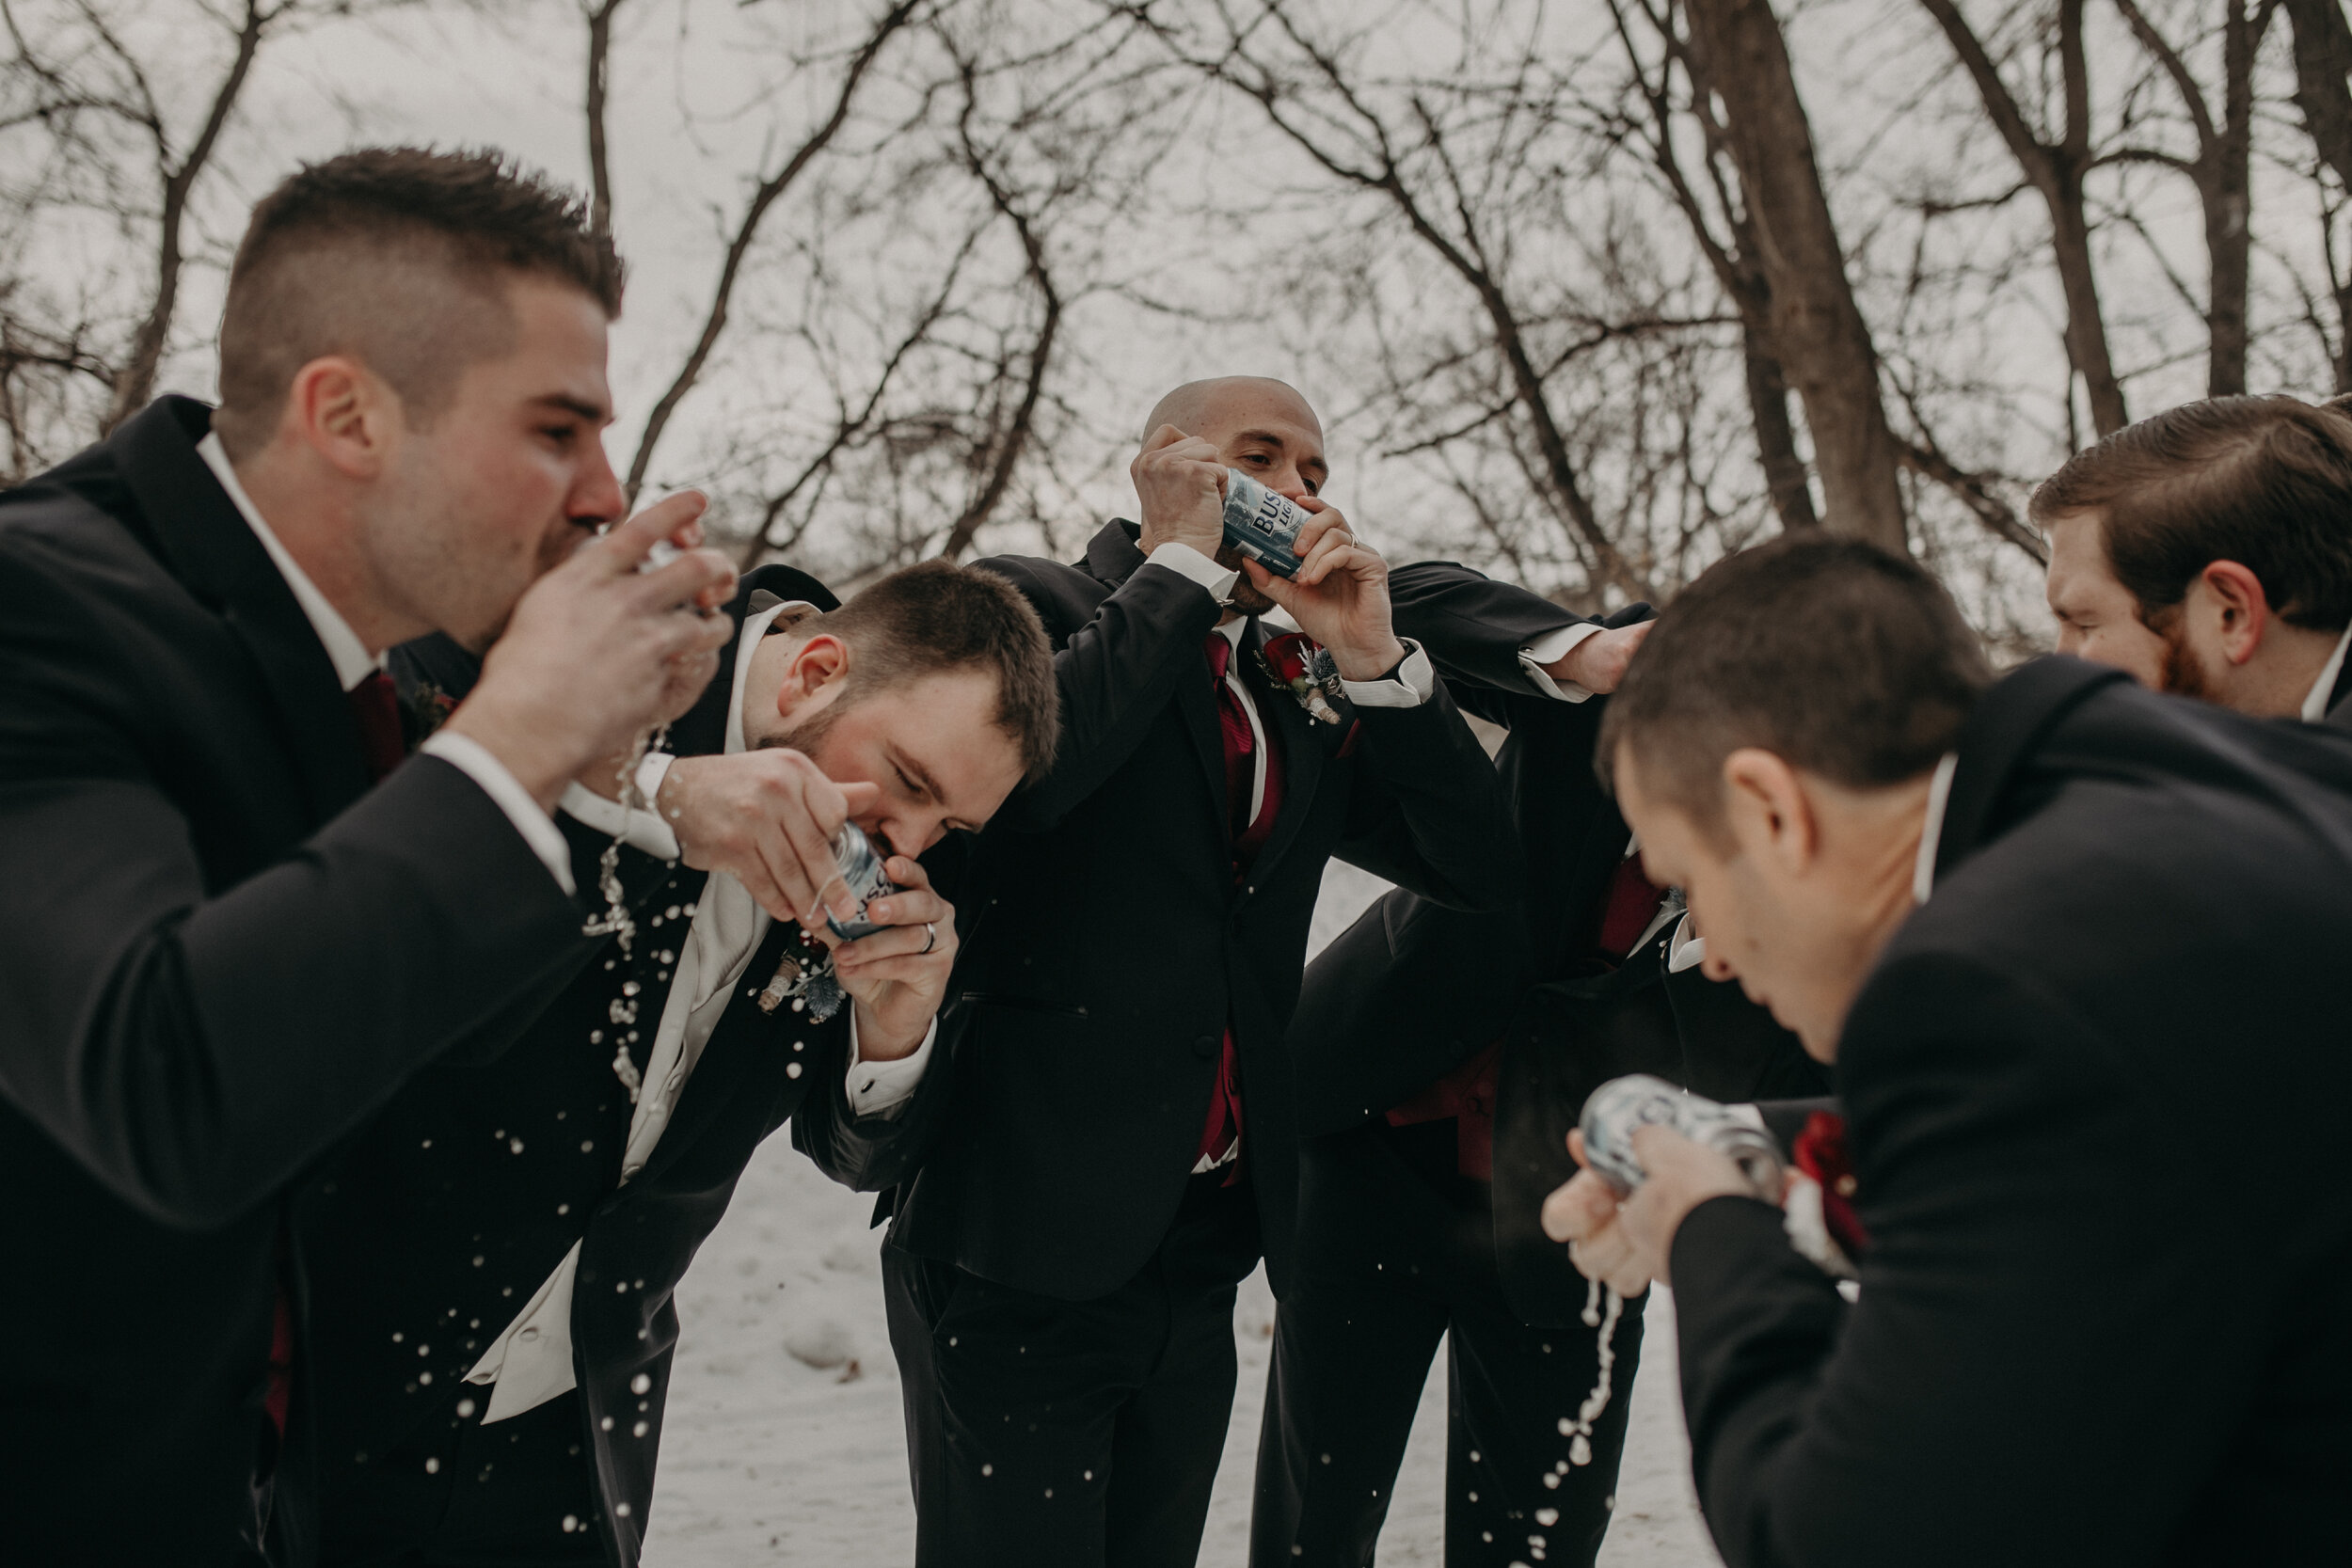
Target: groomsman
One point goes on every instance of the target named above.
(2091, 1328)
(496, 1256)
(2208, 552)
(1122, 1146)
(1443, 1057)
(223, 942)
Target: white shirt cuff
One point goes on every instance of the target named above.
(1411, 686)
(878, 1088)
(1551, 649)
(640, 829)
(1685, 951)
(1187, 561)
(473, 759)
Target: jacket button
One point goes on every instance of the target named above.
(1205, 1047)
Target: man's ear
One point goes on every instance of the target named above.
(2233, 599)
(345, 413)
(818, 664)
(1768, 810)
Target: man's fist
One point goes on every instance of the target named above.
(767, 819)
(1339, 595)
(1622, 1242)
(598, 652)
(1179, 480)
(899, 976)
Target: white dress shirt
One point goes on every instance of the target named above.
(353, 663)
(531, 1361)
(2315, 701)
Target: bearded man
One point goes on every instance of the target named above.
(2208, 552)
(495, 1257)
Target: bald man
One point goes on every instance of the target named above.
(1122, 1146)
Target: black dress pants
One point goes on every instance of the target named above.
(1398, 1253)
(1051, 1434)
(457, 1493)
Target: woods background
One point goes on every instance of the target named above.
(1588, 292)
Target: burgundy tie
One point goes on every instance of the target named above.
(1248, 835)
(375, 705)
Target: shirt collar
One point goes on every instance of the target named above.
(353, 662)
(1931, 830)
(756, 627)
(2315, 701)
(1232, 630)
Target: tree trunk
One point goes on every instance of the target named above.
(1785, 474)
(1816, 332)
(2226, 184)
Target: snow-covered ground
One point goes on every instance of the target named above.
(782, 1441)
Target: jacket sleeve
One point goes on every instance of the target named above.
(2042, 1363)
(871, 1154)
(193, 1046)
(1474, 627)
(1115, 672)
(1427, 812)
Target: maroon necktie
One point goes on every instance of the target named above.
(377, 705)
(1248, 835)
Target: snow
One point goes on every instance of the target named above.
(782, 1440)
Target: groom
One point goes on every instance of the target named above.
(498, 1251)
(225, 936)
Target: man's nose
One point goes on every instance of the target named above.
(910, 835)
(596, 497)
(1288, 484)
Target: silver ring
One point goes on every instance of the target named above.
(930, 936)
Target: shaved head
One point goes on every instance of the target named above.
(1197, 403)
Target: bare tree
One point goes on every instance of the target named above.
(108, 137)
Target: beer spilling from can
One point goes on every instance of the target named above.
(861, 867)
(1261, 523)
(1623, 1105)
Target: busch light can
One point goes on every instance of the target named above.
(1623, 1105)
(861, 867)
(1263, 525)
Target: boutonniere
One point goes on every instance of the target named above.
(1306, 670)
(429, 708)
(1819, 1208)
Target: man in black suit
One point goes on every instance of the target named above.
(220, 948)
(496, 1252)
(2106, 1311)
(1442, 1058)
(2207, 552)
(1122, 1145)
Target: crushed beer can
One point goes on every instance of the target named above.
(1261, 523)
(1623, 1105)
(861, 867)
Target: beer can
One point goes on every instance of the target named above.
(861, 867)
(1618, 1108)
(1261, 523)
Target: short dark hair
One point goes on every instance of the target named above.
(1838, 656)
(2265, 482)
(937, 616)
(398, 256)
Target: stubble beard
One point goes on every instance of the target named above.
(2184, 673)
(1245, 596)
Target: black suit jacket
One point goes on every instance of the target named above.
(1106, 945)
(431, 1229)
(2092, 1089)
(1413, 990)
(219, 951)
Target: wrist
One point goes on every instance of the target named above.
(878, 1042)
(1368, 662)
(542, 764)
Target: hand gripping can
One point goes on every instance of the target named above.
(1263, 525)
(1622, 1105)
(861, 867)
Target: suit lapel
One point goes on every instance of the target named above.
(1301, 751)
(210, 547)
(1112, 557)
(731, 1061)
